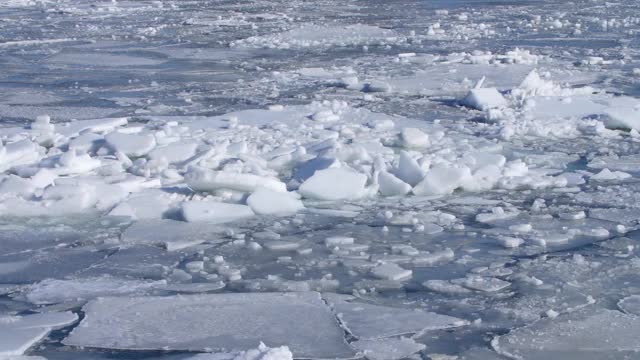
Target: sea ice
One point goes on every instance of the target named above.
(222, 322)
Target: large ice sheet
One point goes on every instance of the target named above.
(226, 322)
(369, 322)
(19, 333)
(605, 334)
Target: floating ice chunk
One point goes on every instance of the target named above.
(442, 180)
(325, 115)
(268, 202)
(414, 138)
(263, 352)
(214, 212)
(71, 163)
(223, 322)
(370, 322)
(21, 152)
(19, 333)
(408, 169)
(509, 242)
(133, 145)
(608, 175)
(630, 305)
(170, 234)
(52, 291)
(486, 284)
(87, 142)
(445, 287)
(150, 204)
(308, 168)
(579, 335)
(338, 241)
(334, 184)
(200, 179)
(42, 123)
(622, 118)
(391, 185)
(391, 271)
(174, 153)
(484, 99)
(388, 349)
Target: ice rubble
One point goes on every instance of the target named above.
(212, 168)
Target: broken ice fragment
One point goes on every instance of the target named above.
(391, 271)
(580, 335)
(484, 99)
(214, 212)
(268, 202)
(133, 145)
(334, 184)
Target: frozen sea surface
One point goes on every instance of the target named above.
(325, 179)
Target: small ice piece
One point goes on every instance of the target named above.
(388, 349)
(170, 234)
(18, 153)
(175, 152)
(19, 333)
(201, 179)
(370, 322)
(268, 202)
(408, 169)
(484, 99)
(627, 118)
(608, 175)
(445, 287)
(603, 334)
(509, 242)
(214, 212)
(213, 322)
(280, 245)
(414, 138)
(263, 352)
(391, 271)
(334, 184)
(579, 215)
(391, 185)
(132, 145)
(486, 284)
(630, 305)
(43, 124)
(442, 180)
(338, 240)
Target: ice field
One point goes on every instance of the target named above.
(360, 179)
